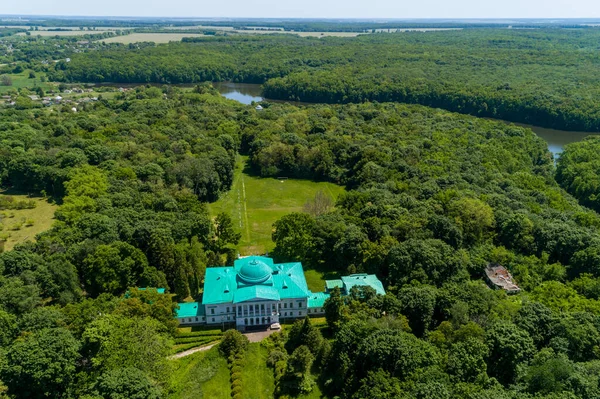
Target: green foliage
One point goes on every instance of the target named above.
(334, 309)
(530, 77)
(119, 342)
(508, 347)
(42, 364)
(126, 383)
(233, 342)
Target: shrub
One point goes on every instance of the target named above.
(29, 222)
(236, 376)
(233, 343)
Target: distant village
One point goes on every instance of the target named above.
(10, 100)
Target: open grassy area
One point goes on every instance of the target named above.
(22, 225)
(315, 280)
(255, 203)
(258, 381)
(20, 80)
(150, 37)
(203, 375)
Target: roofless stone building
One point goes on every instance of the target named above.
(256, 293)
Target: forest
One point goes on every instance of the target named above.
(544, 77)
(432, 197)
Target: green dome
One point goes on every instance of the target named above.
(255, 272)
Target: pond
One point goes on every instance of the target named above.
(556, 139)
(242, 92)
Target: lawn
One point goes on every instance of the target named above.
(22, 225)
(315, 280)
(258, 381)
(255, 203)
(203, 375)
(20, 80)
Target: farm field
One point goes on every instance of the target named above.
(21, 80)
(255, 203)
(203, 375)
(150, 37)
(14, 223)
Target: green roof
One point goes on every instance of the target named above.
(254, 277)
(331, 284)
(317, 299)
(159, 290)
(362, 279)
(189, 309)
(256, 292)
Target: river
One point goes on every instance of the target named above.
(556, 139)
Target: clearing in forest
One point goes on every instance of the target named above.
(22, 80)
(255, 203)
(21, 225)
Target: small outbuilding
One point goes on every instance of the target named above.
(499, 277)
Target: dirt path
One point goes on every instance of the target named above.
(252, 337)
(192, 351)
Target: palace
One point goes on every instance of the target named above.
(257, 293)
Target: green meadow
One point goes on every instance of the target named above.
(255, 203)
(21, 225)
(22, 80)
(202, 375)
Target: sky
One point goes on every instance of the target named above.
(310, 8)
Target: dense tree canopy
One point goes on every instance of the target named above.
(543, 77)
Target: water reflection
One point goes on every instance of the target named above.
(242, 92)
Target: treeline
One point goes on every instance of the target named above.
(578, 171)
(10, 31)
(543, 77)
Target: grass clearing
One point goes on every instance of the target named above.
(21, 80)
(258, 381)
(255, 203)
(16, 224)
(150, 37)
(202, 375)
(315, 280)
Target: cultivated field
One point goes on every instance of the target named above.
(22, 225)
(150, 37)
(255, 203)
